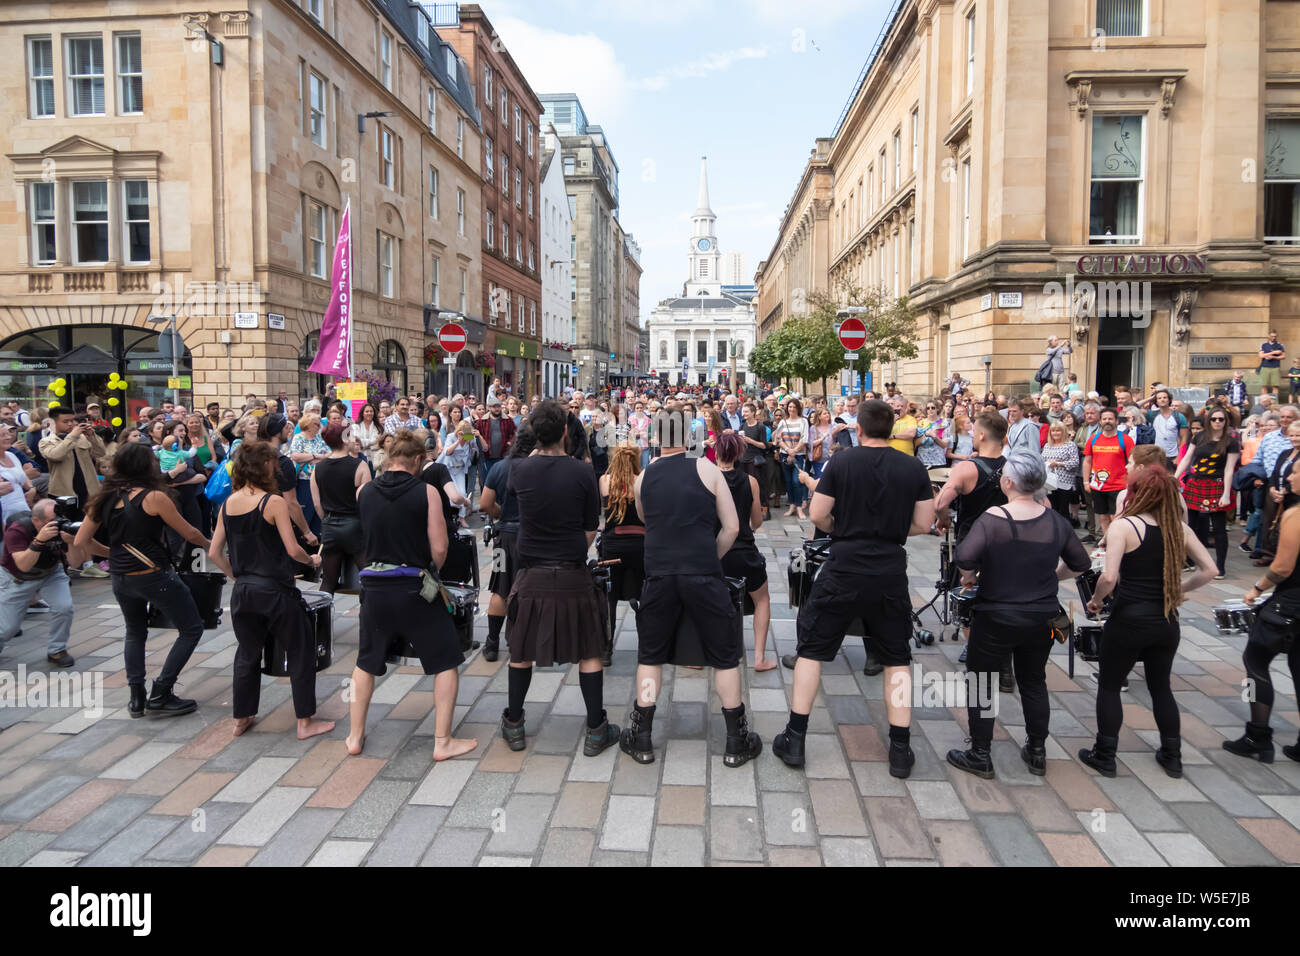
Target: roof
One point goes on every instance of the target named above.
(696, 302)
(402, 14)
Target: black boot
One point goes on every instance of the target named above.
(1101, 757)
(492, 646)
(788, 745)
(977, 760)
(1170, 756)
(138, 699)
(872, 667)
(1034, 754)
(600, 737)
(743, 745)
(1293, 751)
(635, 739)
(901, 758)
(1257, 743)
(512, 731)
(491, 650)
(788, 661)
(1007, 678)
(163, 703)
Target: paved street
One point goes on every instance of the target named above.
(108, 790)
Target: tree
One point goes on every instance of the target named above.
(815, 351)
(890, 322)
(769, 359)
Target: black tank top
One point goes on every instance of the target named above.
(986, 494)
(743, 496)
(132, 525)
(336, 479)
(630, 516)
(1142, 573)
(681, 519)
(394, 512)
(255, 547)
(1290, 588)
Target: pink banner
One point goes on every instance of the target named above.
(335, 355)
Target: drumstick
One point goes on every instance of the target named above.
(602, 564)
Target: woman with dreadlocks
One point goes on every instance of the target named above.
(624, 535)
(1146, 547)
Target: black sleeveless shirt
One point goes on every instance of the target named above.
(986, 494)
(255, 547)
(681, 519)
(1141, 585)
(336, 481)
(1289, 590)
(743, 496)
(132, 525)
(394, 512)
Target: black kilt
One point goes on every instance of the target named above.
(503, 576)
(556, 614)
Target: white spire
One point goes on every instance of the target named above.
(702, 208)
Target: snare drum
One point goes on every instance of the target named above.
(320, 607)
(461, 565)
(805, 564)
(1087, 586)
(464, 607)
(1234, 617)
(963, 605)
(1087, 641)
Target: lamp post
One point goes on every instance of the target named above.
(171, 332)
(988, 373)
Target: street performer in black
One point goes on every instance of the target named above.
(976, 486)
(555, 613)
(497, 502)
(870, 499)
(690, 523)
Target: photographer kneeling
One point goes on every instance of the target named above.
(1021, 550)
(36, 560)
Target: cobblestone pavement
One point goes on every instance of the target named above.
(107, 790)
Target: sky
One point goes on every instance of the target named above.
(748, 83)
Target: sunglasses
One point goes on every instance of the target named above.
(1219, 420)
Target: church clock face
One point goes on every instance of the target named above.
(704, 245)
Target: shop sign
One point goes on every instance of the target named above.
(154, 365)
(30, 365)
(1210, 361)
(180, 382)
(1157, 264)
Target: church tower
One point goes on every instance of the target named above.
(705, 260)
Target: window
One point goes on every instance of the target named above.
(519, 129)
(314, 10)
(386, 157)
(130, 74)
(387, 277)
(913, 257)
(460, 212)
(435, 272)
(464, 285)
(530, 139)
(422, 28)
(570, 165)
(451, 65)
(519, 246)
(489, 158)
(1282, 181)
(663, 351)
(721, 354)
(431, 110)
(1115, 206)
(505, 175)
(433, 194)
(681, 350)
(136, 207)
(505, 116)
(883, 194)
(390, 362)
(531, 255)
(40, 70)
(898, 159)
(487, 83)
(532, 318)
(916, 139)
(316, 109)
(519, 188)
(970, 52)
(85, 66)
(489, 233)
(520, 326)
(573, 207)
(530, 200)
(505, 240)
(460, 136)
(704, 268)
(1120, 18)
(573, 288)
(386, 59)
(316, 233)
(90, 221)
(573, 247)
(44, 231)
(965, 213)
(871, 175)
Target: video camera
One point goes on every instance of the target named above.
(67, 514)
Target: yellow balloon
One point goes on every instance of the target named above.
(117, 423)
(60, 382)
(113, 377)
(112, 401)
(121, 383)
(60, 391)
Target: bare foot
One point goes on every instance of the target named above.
(444, 748)
(242, 724)
(355, 744)
(310, 727)
(764, 665)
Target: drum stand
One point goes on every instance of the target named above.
(941, 603)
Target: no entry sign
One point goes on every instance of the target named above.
(452, 337)
(853, 334)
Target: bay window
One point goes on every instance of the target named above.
(44, 229)
(90, 221)
(136, 207)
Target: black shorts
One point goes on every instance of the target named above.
(392, 611)
(1103, 502)
(745, 562)
(703, 598)
(883, 603)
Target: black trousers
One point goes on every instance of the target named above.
(1257, 660)
(1027, 638)
(260, 614)
(341, 536)
(1131, 636)
(1201, 523)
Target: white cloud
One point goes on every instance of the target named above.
(556, 62)
(714, 62)
(815, 12)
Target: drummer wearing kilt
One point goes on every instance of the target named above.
(497, 502)
(1276, 631)
(254, 526)
(690, 523)
(1208, 464)
(870, 499)
(743, 559)
(1145, 551)
(624, 536)
(556, 614)
(335, 483)
(401, 597)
